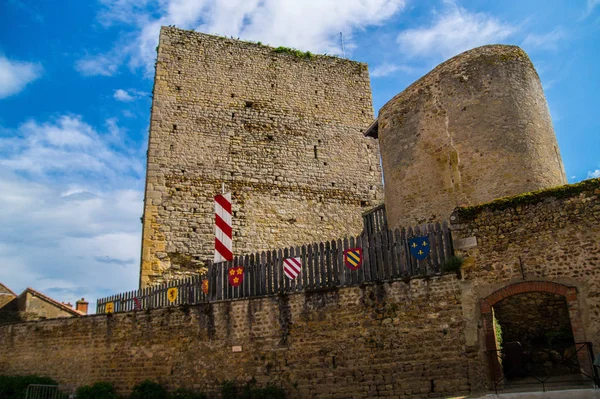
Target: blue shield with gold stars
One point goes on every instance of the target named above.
(419, 247)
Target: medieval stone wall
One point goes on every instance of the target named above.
(399, 339)
(282, 131)
(474, 129)
(548, 241)
(420, 338)
(533, 318)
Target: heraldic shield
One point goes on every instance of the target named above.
(205, 286)
(235, 275)
(353, 258)
(419, 247)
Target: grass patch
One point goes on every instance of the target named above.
(294, 52)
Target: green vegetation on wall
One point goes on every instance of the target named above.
(294, 52)
(566, 191)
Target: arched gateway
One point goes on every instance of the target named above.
(530, 294)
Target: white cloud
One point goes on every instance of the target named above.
(127, 95)
(122, 95)
(593, 174)
(102, 64)
(590, 6)
(66, 146)
(70, 203)
(453, 31)
(387, 69)
(546, 41)
(15, 75)
(308, 25)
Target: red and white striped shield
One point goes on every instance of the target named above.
(223, 242)
(292, 267)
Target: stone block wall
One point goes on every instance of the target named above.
(547, 241)
(397, 340)
(282, 131)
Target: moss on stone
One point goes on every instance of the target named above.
(566, 191)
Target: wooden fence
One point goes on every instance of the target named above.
(386, 256)
(375, 220)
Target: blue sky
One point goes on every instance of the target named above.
(75, 85)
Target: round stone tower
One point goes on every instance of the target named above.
(474, 129)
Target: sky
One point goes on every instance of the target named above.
(75, 84)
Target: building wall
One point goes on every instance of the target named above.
(32, 307)
(5, 298)
(389, 340)
(474, 129)
(283, 132)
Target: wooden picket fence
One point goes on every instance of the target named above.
(386, 257)
(375, 220)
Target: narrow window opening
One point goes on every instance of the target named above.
(174, 127)
(315, 151)
(249, 104)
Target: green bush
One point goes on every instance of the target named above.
(230, 390)
(100, 390)
(149, 390)
(269, 392)
(183, 393)
(14, 387)
(452, 264)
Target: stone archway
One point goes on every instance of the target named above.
(570, 295)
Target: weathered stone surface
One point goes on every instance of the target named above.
(546, 239)
(284, 133)
(531, 318)
(398, 340)
(474, 129)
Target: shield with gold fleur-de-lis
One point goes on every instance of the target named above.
(235, 275)
(419, 247)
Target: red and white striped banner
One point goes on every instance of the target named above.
(223, 241)
(292, 267)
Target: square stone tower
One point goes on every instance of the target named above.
(281, 129)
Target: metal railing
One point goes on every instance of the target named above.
(40, 391)
(571, 368)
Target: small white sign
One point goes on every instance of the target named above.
(464, 243)
(235, 349)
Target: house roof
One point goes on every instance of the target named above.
(5, 288)
(62, 306)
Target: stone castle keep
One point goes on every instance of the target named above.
(294, 139)
(285, 134)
